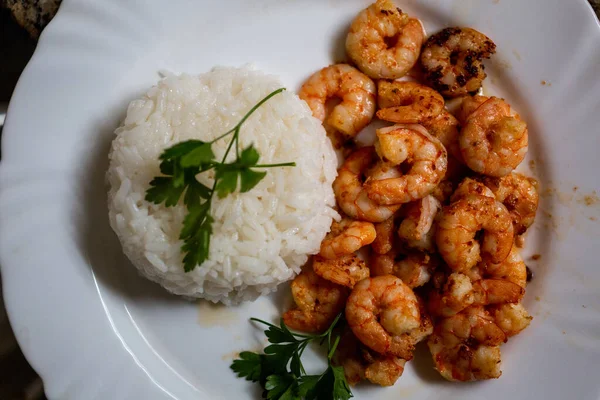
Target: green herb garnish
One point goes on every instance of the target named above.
(280, 371)
(182, 162)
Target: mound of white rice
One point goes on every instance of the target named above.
(260, 238)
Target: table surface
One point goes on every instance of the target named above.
(18, 381)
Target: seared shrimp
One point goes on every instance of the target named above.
(346, 237)
(512, 318)
(462, 220)
(465, 347)
(349, 192)
(519, 194)
(382, 312)
(512, 269)
(386, 232)
(445, 128)
(407, 102)
(426, 156)
(318, 302)
(355, 89)
(451, 60)
(361, 363)
(417, 228)
(470, 186)
(415, 269)
(383, 42)
(494, 139)
(467, 106)
(345, 271)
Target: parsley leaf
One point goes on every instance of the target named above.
(248, 366)
(181, 163)
(280, 372)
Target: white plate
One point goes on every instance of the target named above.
(94, 330)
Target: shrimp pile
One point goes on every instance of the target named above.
(432, 214)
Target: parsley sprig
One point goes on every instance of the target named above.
(181, 163)
(280, 371)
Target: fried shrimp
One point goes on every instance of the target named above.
(356, 91)
(346, 237)
(350, 193)
(494, 140)
(452, 60)
(465, 347)
(407, 102)
(425, 156)
(459, 224)
(417, 228)
(383, 42)
(519, 194)
(318, 302)
(345, 271)
(415, 269)
(382, 312)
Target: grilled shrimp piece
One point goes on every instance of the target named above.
(465, 347)
(360, 363)
(383, 41)
(462, 220)
(467, 106)
(445, 127)
(415, 269)
(512, 318)
(452, 60)
(417, 228)
(350, 193)
(355, 89)
(346, 237)
(383, 312)
(407, 102)
(345, 271)
(386, 235)
(469, 186)
(318, 302)
(519, 194)
(494, 139)
(413, 145)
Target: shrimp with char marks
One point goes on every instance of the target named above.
(407, 102)
(318, 302)
(356, 91)
(383, 41)
(465, 347)
(345, 271)
(452, 60)
(383, 312)
(425, 156)
(460, 222)
(346, 237)
(350, 193)
(494, 140)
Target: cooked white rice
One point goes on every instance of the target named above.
(260, 238)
